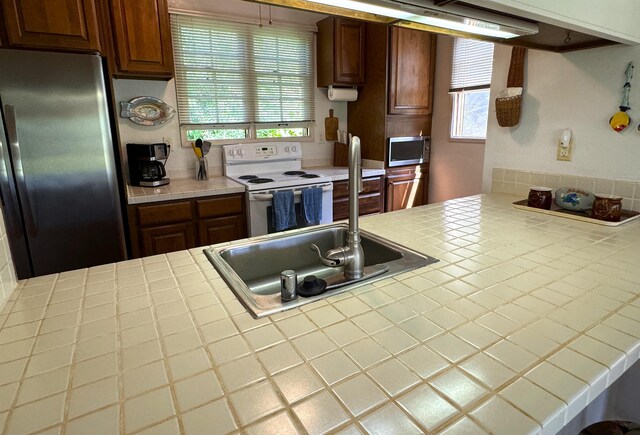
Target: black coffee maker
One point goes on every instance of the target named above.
(145, 165)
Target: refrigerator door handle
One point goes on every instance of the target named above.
(14, 143)
(9, 193)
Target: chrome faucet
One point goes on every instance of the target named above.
(350, 256)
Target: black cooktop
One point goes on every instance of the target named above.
(260, 180)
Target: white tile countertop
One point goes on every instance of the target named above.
(181, 188)
(525, 320)
(184, 188)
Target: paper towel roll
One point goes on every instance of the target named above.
(342, 94)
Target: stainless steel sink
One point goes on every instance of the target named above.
(252, 268)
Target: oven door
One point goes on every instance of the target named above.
(260, 209)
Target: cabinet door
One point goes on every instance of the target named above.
(340, 52)
(222, 229)
(406, 188)
(56, 24)
(411, 70)
(167, 238)
(349, 52)
(142, 38)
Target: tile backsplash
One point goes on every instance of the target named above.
(518, 182)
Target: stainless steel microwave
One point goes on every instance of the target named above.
(402, 151)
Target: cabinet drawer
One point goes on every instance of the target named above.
(366, 205)
(370, 185)
(164, 213)
(223, 206)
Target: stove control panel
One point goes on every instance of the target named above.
(248, 152)
(266, 150)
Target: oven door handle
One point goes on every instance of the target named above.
(268, 196)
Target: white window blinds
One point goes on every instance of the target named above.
(471, 65)
(235, 73)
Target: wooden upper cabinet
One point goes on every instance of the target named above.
(411, 71)
(142, 35)
(341, 52)
(52, 24)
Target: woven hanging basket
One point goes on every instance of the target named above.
(509, 102)
(508, 110)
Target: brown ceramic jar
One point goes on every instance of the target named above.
(540, 197)
(607, 208)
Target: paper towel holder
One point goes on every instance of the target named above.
(342, 93)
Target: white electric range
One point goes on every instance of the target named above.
(264, 168)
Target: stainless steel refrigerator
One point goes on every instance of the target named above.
(58, 179)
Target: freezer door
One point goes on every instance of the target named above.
(62, 155)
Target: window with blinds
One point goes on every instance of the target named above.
(236, 80)
(471, 68)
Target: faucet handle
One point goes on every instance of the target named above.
(334, 257)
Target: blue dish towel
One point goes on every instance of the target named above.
(312, 204)
(284, 210)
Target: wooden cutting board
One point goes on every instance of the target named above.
(331, 127)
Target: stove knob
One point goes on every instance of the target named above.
(287, 149)
(241, 152)
(232, 152)
(294, 148)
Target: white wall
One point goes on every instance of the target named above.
(456, 167)
(182, 161)
(578, 90)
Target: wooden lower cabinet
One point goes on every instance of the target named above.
(169, 226)
(406, 187)
(221, 219)
(370, 200)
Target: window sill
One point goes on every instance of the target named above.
(465, 140)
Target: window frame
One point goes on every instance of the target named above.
(456, 94)
(251, 128)
(463, 139)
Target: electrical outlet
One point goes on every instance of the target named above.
(168, 140)
(565, 153)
